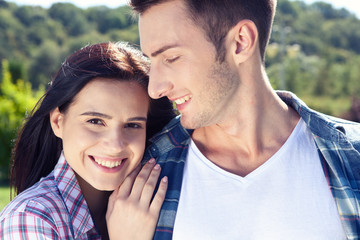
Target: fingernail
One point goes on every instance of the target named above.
(157, 167)
(164, 179)
(152, 161)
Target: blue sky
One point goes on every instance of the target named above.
(351, 5)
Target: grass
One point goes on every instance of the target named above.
(4, 196)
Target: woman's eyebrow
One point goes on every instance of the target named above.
(96, 114)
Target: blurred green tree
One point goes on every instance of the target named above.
(16, 101)
(71, 17)
(44, 63)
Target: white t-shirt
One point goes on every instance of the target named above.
(285, 198)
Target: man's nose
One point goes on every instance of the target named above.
(159, 84)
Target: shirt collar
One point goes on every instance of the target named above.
(74, 200)
(182, 134)
(322, 125)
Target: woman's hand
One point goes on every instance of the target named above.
(131, 214)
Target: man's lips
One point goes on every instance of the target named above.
(106, 162)
(182, 100)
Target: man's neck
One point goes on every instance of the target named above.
(250, 135)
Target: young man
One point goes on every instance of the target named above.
(259, 164)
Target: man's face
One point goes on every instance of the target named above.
(183, 65)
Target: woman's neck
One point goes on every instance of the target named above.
(97, 202)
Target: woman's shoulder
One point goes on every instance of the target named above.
(53, 207)
(42, 199)
(36, 213)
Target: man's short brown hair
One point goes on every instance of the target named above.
(217, 17)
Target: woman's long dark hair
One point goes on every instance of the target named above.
(37, 148)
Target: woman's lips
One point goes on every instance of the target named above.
(108, 163)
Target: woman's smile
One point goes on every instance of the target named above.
(104, 131)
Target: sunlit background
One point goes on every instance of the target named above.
(314, 51)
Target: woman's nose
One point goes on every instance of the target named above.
(116, 141)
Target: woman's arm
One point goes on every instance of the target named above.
(132, 213)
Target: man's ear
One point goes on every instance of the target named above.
(244, 40)
(56, 121)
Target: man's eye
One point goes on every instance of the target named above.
(133, 125)
(171, 60)
(96, 121)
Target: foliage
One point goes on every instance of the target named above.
(4, 196)
(16, 100)
(314, 52)
(40, 38)
(71, 17)
(36, 40)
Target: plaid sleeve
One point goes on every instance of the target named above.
(24, 225)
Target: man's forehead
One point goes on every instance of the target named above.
(159, 28)
(164, 13)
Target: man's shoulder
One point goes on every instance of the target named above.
(352, 129)
(322, 125)
(172, 134)
(335, 129)
(173, 137)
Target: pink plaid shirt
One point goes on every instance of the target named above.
(54, 208)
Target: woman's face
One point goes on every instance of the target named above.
(103, 131)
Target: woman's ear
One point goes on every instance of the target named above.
(244, 38)
(56, 121)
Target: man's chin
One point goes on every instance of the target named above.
(190, 123)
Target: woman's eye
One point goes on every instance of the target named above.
(96, 121)
(171, 60)
(133, 125)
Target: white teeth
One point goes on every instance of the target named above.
(108, 164)
(182, 100)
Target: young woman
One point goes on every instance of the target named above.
(86, 137)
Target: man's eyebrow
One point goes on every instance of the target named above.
(96, 114)
(163, 49)
(144, 119)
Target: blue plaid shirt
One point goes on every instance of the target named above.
(338, 143)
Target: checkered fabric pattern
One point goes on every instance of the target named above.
(54, 208)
